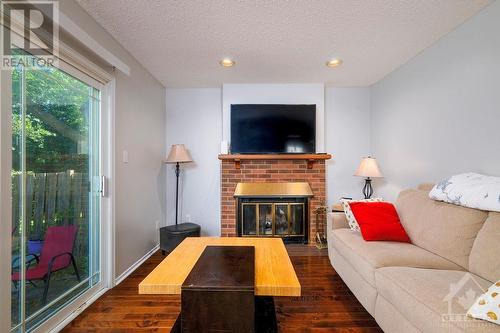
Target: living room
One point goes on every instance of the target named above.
(273, 166)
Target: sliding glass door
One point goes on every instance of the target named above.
(55, 191)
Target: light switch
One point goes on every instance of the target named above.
(125, 156)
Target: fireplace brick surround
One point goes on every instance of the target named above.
(269, 170)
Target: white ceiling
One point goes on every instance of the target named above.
(181, 42)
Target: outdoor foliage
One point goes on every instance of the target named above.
(56, 130)
(55, 122)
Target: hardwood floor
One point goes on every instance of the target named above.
(326, 304)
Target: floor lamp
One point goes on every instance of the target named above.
(368, 168)
(178, 154)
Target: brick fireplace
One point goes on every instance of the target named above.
(309, 168)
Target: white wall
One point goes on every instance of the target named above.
(439, 114)
(347, 131)
(139, 129)
(194, 118)
(309, 93)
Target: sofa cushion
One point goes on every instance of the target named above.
(365, 257)
(484, 258)
(424, 297)
(442, 228)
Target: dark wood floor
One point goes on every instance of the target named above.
(326, 304)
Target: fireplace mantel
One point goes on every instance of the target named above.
(310, 158)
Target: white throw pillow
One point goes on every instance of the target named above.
(487, 306)
(353, 224)
(471, 190)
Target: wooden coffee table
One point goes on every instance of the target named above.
(273, 270)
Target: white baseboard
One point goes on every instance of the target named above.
(138, 263)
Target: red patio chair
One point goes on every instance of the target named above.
(56, 254)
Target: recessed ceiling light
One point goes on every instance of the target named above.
(226, 62)
(335, 62)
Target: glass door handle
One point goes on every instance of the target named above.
(104, 187)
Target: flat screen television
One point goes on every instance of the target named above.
(273, 129)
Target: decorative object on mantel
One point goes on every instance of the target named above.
(173, 235)
(320, 214)
(368, 168)
(178, 154)
(311, 158)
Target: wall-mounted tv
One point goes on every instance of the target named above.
(273, 129)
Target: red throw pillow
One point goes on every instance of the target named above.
(379, 221)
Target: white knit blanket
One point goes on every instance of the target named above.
(469, 190)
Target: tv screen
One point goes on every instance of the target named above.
(273, 129)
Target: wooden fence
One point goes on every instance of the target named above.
(53, 199)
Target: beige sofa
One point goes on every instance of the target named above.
(425, 286)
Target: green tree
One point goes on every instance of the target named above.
(56, 121)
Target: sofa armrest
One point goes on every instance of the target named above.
(337, 221)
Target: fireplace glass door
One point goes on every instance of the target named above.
(265, 219)
(250, 216)
(296, 219)
(281, 219)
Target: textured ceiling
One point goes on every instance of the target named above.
(181, 42)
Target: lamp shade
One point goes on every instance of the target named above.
(368, 168)
(178, 154)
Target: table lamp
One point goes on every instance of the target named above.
(368, 168)
(178, 154)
